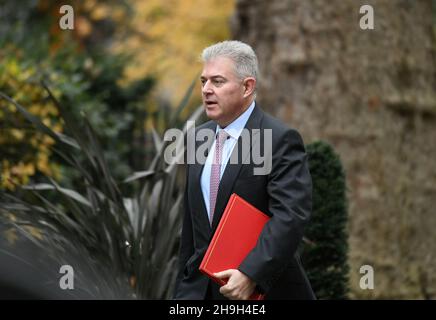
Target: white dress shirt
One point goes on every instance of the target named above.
(234, 130)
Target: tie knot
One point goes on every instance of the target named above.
(222, 135)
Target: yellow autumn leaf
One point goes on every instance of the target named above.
(11, 235)
(83, 27)
(17, 134)
(37, 233)
(48, 141)
(12, 67)
(100, 12)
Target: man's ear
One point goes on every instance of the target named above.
(249, 86)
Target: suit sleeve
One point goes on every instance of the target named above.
(186, 247)
(290, 203)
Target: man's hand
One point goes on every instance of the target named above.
(238, 287)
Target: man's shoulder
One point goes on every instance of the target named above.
(277, 126)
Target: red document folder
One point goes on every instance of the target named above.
(235, 236)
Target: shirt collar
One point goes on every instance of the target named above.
(235, 128)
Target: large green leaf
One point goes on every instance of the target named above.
(118, 237)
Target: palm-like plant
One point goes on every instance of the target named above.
(126, 245)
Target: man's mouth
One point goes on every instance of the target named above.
(210, 104)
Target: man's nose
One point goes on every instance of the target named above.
(206, 89)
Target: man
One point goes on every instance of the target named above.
(284, 192)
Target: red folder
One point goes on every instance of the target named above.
(235, 236)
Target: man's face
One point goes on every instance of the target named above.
(222, 92)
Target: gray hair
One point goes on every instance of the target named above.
(240, 53)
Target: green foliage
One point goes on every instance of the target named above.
(126, 240)
(325, 249)
(24, 151)
(86, 78)
(85, 84)
(117, 113)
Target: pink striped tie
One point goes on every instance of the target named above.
(216, 172)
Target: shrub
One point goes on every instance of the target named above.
(325, 250)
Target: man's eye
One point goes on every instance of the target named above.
(218, 82)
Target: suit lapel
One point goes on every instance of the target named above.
(232, 170)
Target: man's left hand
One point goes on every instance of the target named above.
(238, 287)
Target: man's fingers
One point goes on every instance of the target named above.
(224, 274)
(224, 289)
(227, 291)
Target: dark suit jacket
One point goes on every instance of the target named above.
(285, 195)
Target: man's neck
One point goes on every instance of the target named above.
(246, 106)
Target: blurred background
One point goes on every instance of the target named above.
(83, 113)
